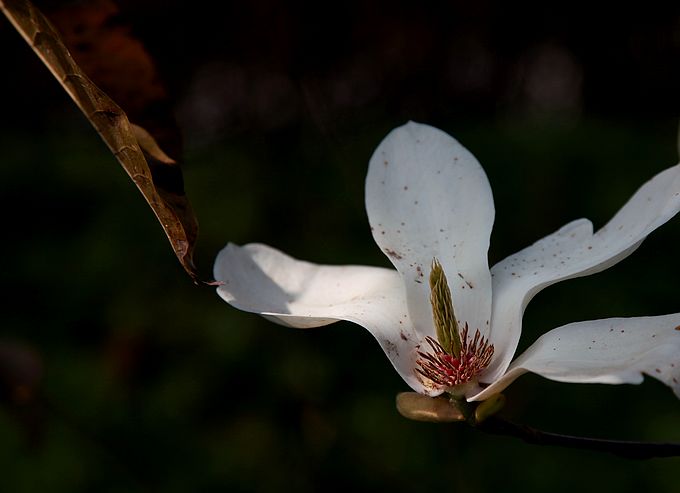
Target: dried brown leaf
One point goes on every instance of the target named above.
(149, 145)
(100, 37)
(169, 203)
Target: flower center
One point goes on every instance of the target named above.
(455, 358)
(444, 368)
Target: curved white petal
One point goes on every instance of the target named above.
(615, 350)
(427, 197)
(259, 279)
(573, 251)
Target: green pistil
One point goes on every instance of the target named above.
(442, 311)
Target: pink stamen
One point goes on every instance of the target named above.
(445, 369)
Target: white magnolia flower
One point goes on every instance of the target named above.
(430, 208)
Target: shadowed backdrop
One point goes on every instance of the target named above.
(118, 374)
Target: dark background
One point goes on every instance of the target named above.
(119, 374)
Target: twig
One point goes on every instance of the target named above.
(628, 449)
(482, 416)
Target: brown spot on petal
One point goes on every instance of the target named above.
(678, 327)
(466, 281)
(393, 253)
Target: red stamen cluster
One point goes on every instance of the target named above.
(446, 369)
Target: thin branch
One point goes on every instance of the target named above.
(629, 449)
(441, 409)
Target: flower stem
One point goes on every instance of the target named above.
(454, 407)
(629, 449)
(466, 409)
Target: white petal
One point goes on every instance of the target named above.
(615, 350)
(263, 280)
(573, 251)
(427, 197)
